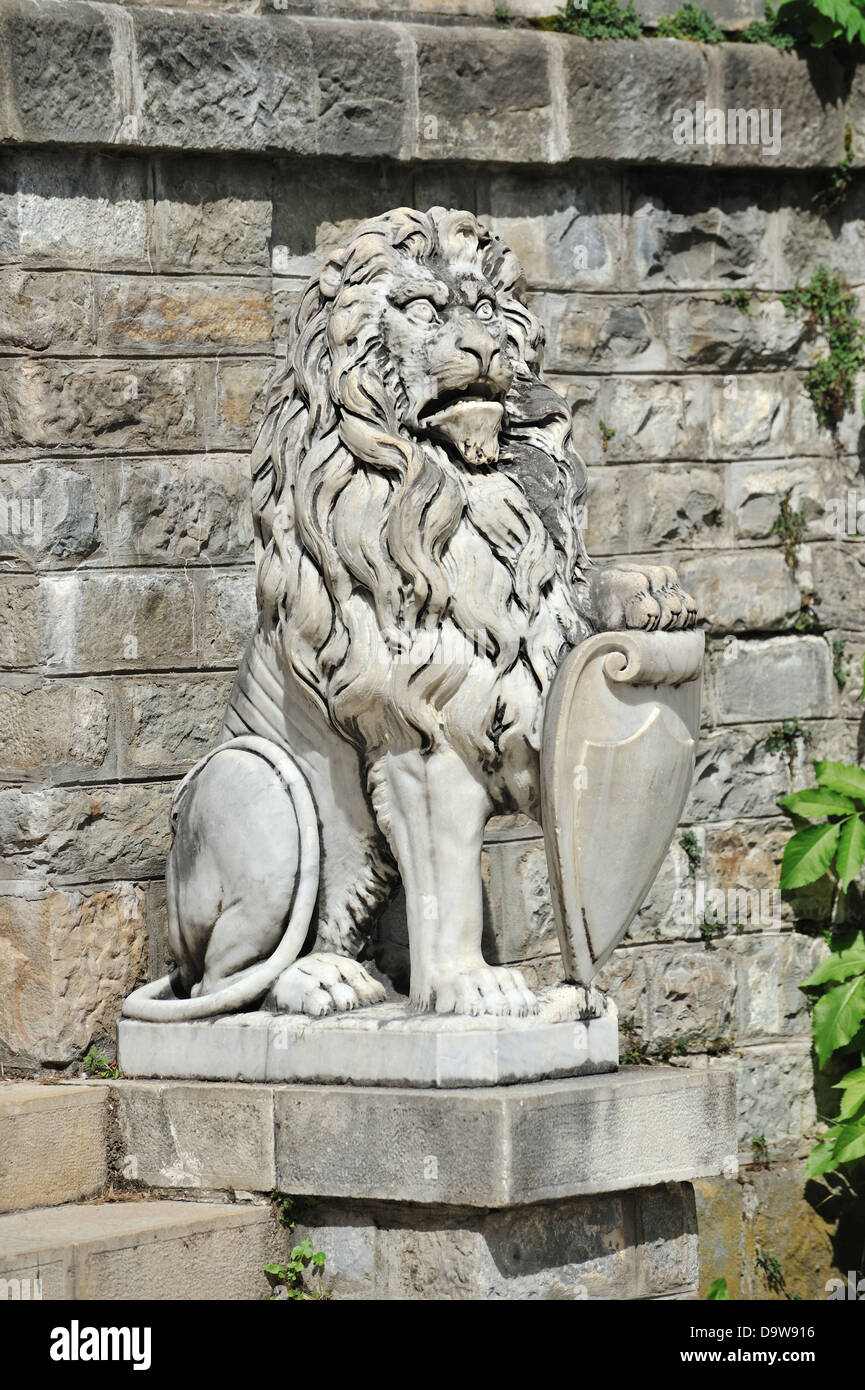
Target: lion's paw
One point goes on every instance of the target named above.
(324, 983)
(484, 989)
(642, 596)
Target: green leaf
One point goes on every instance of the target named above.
(851, 850)
(850, 1142)
(837, 1017)
(846, 960)
(846, 778)
(808, 854)
(853, 1086)
(821, 1159)
(718, 1290)
(816, 801)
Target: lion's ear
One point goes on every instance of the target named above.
(330, 277)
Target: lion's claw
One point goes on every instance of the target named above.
(642, 596)
(324, 983)
(485, 989)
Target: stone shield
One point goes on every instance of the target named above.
(617, 760)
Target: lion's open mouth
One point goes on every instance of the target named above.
(469, 419)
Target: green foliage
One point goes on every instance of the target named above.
(690, 22)
(840, 178)
(791, 527)
(283, 1206)
(760, 1151)
(819, 22)
(770, 30)
(738, 299)
(840, 661)
(691, 845)
(301, 1278)
(830, 306)
(95, 1064)
(600, 19)
(832, 842)
(784, 736)
(607, 433)
(503, 19)
(718, 1291)
(772, 1270)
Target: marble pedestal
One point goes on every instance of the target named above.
(572, 1188)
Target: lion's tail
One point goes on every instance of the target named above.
(154, 1002)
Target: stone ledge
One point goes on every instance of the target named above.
(52, 1144)
(493, 1147)
(147, 78)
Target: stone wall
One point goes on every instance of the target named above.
(168, 180)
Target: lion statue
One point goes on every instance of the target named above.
(420, 575)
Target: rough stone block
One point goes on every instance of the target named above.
(566, 232)
(586, 332)
(769, 1001)
(238, 391)
(179, 510)
(72, 406)
(782, 678)
(61, 72)
(19, 623)
(621, 99)
(225, 83)
(483, 96)
(50, 514)
(52, 1144)
(747, 591)
(90, 832)
(739, 774)
(808, 92)
(776, 1095)
(168, 724)
(704, 332)
(365, 86)
(143, 1250)
(94, 621)
(209, 213)
(43, 311)
(78, 209)
(756, 490)
(692, 991)
(229, 616)
(183, 316)
(69, 957)
(681, 505)
(56, 729)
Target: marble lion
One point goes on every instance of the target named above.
(420, 575)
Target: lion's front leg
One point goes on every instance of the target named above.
(433, 811)
(640, 596)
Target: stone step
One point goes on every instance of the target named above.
(139, 1249)
(52, 1143)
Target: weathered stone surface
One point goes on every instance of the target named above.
(238, 391)
(170, 723)
(365, 83)
(19, 624)
(77, 209)
(105, 622)
(50, 514)
(41, 311)
(183, 315)
(229, 616)
(676, 506)
(837, 575)
(68, 958)
(566, 232)
(56, 729)
(783, 678)
(209, 215)
(60, 72)
(769, 1001)
(806, 91)
(52, 1144)
(744, 591)
(74, 406)
(225, 83)
(143, 1250)
(705, 332)
(659, 418)
(493, 1147)
(180, 510)
(483, 96)
(756, 491)
(622, 333)
(693, 992)
(622, 96)
(738, 774)
(775, 1087)
(91, 833)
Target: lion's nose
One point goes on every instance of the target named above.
(473, 338)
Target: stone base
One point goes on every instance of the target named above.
(386, 1045)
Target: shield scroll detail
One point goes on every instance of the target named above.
(617, 760)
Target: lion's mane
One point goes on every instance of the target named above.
(376, 549)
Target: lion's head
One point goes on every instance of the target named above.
(413, 474)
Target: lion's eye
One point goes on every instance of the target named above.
(421, 311)
(485, 310)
